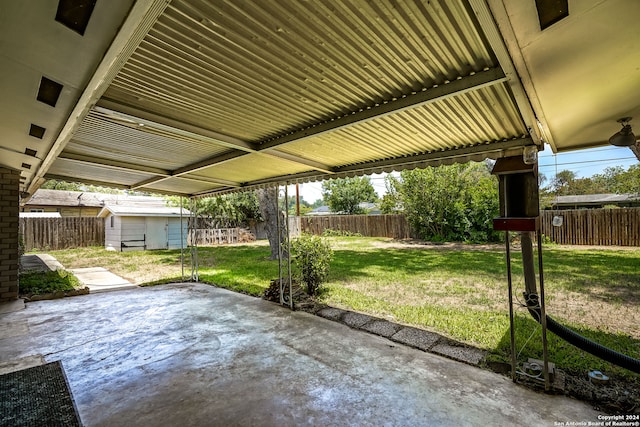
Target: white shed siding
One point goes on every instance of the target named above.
(112, 233)
(157, 232)
(132, 232)
(174, 233)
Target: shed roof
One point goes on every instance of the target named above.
(40, 215)
(195, 97)
(157, 211)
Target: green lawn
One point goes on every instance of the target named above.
(459, 292)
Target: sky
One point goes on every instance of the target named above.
(584, 163)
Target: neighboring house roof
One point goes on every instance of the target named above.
(159, 211)
(595, 199)
(321, 210)
(40, 215)
(87, 199)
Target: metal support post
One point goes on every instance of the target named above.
(543, 320)
(284, 250)
(512, 331)
(181, 241)
(194, 241)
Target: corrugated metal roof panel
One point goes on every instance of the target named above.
(181, 186)
(478, 117)
(252, 167)
(223, 94)
(95, 173)
(130, 142)
(256, 69)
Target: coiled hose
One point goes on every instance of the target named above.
(581, 342)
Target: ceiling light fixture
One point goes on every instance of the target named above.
(624, 138)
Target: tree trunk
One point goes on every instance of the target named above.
(268, 200)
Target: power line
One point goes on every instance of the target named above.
(571, 153)
(587, 161)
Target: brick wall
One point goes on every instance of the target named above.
(9, 208)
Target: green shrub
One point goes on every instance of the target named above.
(311, 256)
(330, 232)
(36, 282)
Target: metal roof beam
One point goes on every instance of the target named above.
(205, 179)
(110, 164)
(435, 156)
(137, 168)
(494, 149)
(320, 167)
(460, 86)
(150, 121)
(193, 168)
(117, 111)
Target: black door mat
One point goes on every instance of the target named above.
(36, 397)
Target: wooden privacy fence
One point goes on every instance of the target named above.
(598, 227)
(61, 233)
(395, 226)
(219, 236)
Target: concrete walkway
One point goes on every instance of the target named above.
(195, 355)
(97, 279)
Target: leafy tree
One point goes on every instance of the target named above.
(456, 202)
(390, 204)
(54, 184)
(231, 210)
(560, 183)
(391, 201)
(225, 211)
(304, 206)
(345, 195)
(317, 203)
(611, 180)
(620, 181)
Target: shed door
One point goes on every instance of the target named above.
(157, 233)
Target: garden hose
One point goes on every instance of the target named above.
(579, 341)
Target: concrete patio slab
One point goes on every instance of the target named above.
(99, 279)
(11, 306)
(19, 364)
(195, 355)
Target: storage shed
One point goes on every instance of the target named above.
(129, 228)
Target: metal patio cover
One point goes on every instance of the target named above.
(196, 97)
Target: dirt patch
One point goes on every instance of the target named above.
(617, 397)
(445, 246)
